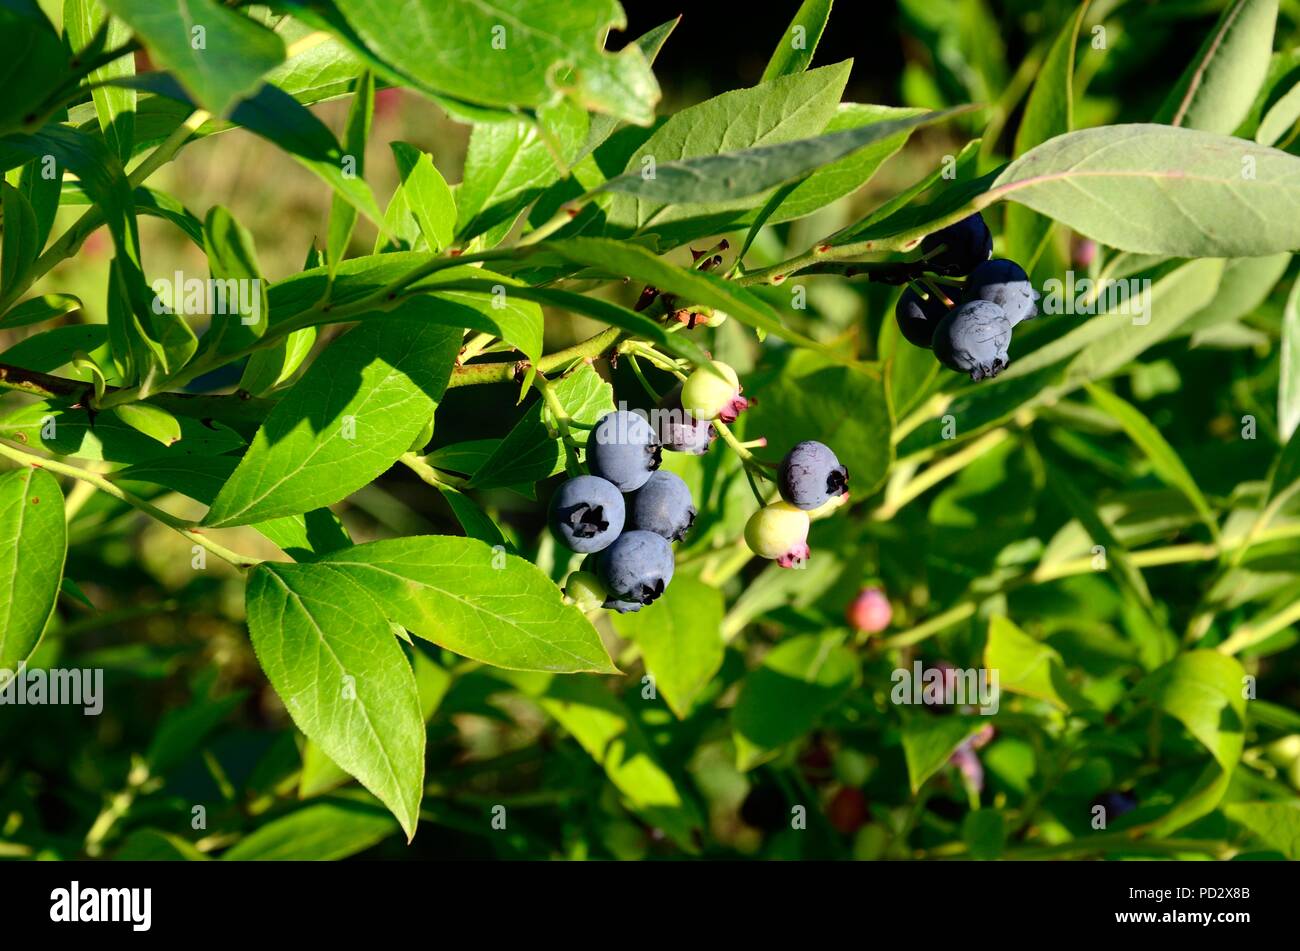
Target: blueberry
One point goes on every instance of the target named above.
(1116, 804)
(973, 339)
(965, 244)
(1006, 284)
(636, 569)
(765, 807)
(623, 449)
(917, 318)
(779, 531)
(663, 506)
(810, 475)
(678, 430)
(587, 513)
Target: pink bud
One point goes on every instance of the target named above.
(870, 611)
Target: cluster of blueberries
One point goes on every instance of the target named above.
(626, 513)
(970, 335)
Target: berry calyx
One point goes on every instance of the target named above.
(587, 513)
(635, 569)
(779, 531)
(713, 392)
(810, 475)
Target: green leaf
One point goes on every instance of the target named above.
(929, 742)
(240, 319)
(154, 845)
(33, 545)
(1116, 556)
(301, 537)
(114, 106)
(218, 55)
(606, 729)
(807, 400)
(509, 164)
(1028, 666)
(799, 42)
(530, 451)
(269, 367)
(475, 522)
(343, 215)
(1164, 460)
(799, 680)
(603, 125)
(276, 116)
(69, 432)
(1048, 112)
(680, 640)
(39, 309)
(477, 601)
(1288, 386)
(985, 833)
(783, 110)
(522, 56)
(1204, 690)
(353, 413)
(697, 287)
(1245, 285)
(422, 199)
(1103, 343)
(323, 70)
(18, 248)
(330, 655)
(1153, 189)
(35, 62)
(54, 348)
(724, 179)
(154, 421)
(1277, 824)
(321, 832)
(1216, 90)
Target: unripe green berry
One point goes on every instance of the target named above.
(713, 393)
(779, 531)
(586, 591)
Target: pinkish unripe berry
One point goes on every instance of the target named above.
(870, 612)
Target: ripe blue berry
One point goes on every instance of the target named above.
(663, 506)
(1116, 804)
(587, 513)
(623, 449)
(635, 569)
(965, 244)
(678, 430)
(973, 339)
(1006, 284)
(810, 475)
(917, 318)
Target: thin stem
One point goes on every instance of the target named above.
(641, 378)
(938, 472)
(178, 525)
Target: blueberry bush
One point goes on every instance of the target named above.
(609, 459)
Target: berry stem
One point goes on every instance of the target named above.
(635, 364)
(562, 422)
(189, 529)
